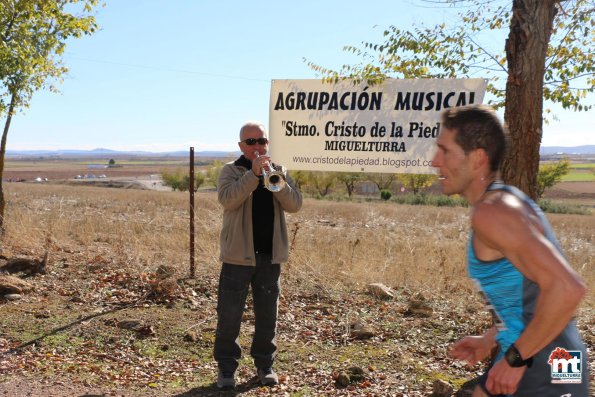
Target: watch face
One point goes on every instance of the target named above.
(513, 357)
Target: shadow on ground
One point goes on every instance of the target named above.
(211, 390)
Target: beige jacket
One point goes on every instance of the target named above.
(235, 186)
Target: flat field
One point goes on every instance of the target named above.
(116, 313)
(578, 187)
(581, 172)
(64, 169)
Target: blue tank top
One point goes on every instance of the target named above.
(510, 295)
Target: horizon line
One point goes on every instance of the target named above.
(108, 150)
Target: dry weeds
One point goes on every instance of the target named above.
(106, 246)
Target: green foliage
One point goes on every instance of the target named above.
(300, 178)
(550, 174)
(570, 57)
(385, 194)
(180, 180)
(580, 172)
(431, 199)
(558, 208)
(32, 40)
(464, 49)
(111, 162)
(454, 50)
(33, 36)
(214, 171)
(417, 182)
(199, 180)
(579, 177)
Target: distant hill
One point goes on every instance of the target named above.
(585, 149)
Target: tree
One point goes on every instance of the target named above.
(382, 181)
(299, 177)
(180, 180)
(349, 179)
(214, 171)
(33, 35)
(416, 182)
(531, 26)
(111, 162)
(550, 174)
(547, 55)
(322, 181)
(199, 179)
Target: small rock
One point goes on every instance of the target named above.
(351, 375)
(357, 374)
(359, 330)
(130, 324)
(441, 388)
(165, 288)
(381, 291)
(419, 308)
(343, 379)
(191, 336)
(25, 266)
(43, 314)
(13, 285)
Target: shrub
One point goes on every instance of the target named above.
(550, 174)
(214, 172)
(179, 180)
(417, 182)
(557, 208)
(431, 199)
(385, 194)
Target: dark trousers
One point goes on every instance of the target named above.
(234, 283)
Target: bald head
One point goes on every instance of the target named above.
(252, 126)
(253, 140)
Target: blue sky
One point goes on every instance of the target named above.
(167, 75)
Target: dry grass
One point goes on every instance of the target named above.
(145, 228)
(401, 246)
(333, 244)
(105, 248)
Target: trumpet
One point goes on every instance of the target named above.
(274, 179)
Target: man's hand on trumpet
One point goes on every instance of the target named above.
(260, 163)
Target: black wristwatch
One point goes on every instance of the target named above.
(514, 359)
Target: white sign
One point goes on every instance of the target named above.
(347, 127)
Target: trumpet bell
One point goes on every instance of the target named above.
(274, 181)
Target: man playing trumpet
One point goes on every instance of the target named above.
(254, 242)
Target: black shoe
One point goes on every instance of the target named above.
(267, 376)
(226, 380)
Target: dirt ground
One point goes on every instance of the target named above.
(61, 172)
(130, 177)
(575, 193)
